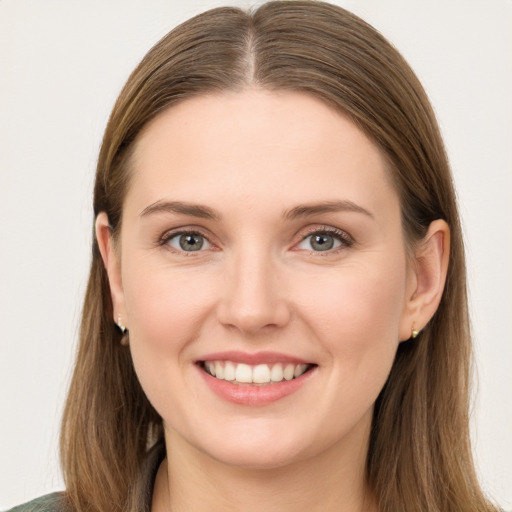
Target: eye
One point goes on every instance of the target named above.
(322, 241)
(188, 242)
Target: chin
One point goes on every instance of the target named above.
(258, 445)
(257, 457)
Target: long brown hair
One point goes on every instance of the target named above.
(419, 454)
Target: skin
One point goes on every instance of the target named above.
(259, 285)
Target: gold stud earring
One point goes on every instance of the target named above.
(414, 333)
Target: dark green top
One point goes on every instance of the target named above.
(141, 494)
(49, 503)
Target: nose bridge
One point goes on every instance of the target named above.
(253, 298)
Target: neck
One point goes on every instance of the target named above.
(333, 481)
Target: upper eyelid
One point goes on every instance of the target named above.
(341, 233)
(192, 230)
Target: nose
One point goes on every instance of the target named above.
(254, 299)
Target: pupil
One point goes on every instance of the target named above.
(191, 242)
(322, 242)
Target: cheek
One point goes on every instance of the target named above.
(166, 310)
(356, 322)
(164, 306)
(356, 313)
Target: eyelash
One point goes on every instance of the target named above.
(343, 237)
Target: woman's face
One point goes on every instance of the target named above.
(261, 240)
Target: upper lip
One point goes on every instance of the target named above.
(237, 356)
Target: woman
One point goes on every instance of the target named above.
(276, 314)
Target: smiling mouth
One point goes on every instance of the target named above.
(262, 374)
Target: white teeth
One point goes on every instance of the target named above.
(299, 370)
(258, 374)
(243, 373)
(229, 371)
(276, 374)
(219, 370)
(210, 366)
(261, 374)
(288, 373)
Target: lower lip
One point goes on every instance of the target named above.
(254, 395)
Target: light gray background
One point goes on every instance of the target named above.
(62, 64)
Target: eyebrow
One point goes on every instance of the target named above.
(194, 210)
(205, 212)
(325, 207)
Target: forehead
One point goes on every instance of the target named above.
(254, 145)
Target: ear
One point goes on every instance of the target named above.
(112, 264)
(426, 279)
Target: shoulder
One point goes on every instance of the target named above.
(54, 502)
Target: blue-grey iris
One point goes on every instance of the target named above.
(321, 242)
(191, 242)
